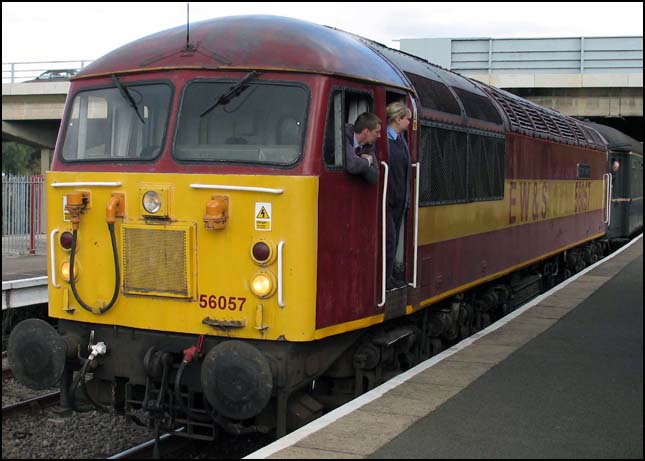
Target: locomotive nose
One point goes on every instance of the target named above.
(237, 379)
(36, 354)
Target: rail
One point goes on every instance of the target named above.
(35, 404)
(19, 72)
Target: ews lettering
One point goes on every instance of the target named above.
(528, 201)
(583, 196)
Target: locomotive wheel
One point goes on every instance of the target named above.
(436, 346)
(486, 320)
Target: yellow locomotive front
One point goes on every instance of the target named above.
(205, 241)
(196, 254)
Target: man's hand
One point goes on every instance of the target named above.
(367, 157)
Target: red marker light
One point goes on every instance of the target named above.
(261, 252)
(66, 240)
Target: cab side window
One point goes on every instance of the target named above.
(344, 107)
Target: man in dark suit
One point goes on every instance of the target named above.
(360, 139)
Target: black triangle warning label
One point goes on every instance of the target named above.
(263, 214)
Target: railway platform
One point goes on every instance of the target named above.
(23, 267)
(561, 377)
(24, 280)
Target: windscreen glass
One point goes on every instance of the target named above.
(127, 123)
(258, 122)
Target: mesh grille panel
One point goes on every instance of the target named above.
(444, 154)
(525, 116)
(485, 167)
(459, 167)
(155, 260)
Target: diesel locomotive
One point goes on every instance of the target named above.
(211, 261)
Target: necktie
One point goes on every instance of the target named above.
(357, 150)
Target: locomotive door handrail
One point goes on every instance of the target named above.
(240, 188)
(87, 183)
(280, 279)
(417, 167)
(607, 218)
(52, 251)
(383, 232)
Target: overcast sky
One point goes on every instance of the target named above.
(74, 31)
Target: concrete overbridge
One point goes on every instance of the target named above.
(600, 78)
(31, 114)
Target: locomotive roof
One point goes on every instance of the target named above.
(284, 44)
(617, 140)
(251, 42)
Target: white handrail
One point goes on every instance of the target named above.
(609, 192)
(86, 184)
(240, 188)
(280, 279)
(52, 250)
(604, 189)
(417, 167)
(607, 218)
(384, 232)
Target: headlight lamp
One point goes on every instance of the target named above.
(65, 271)
(263, 284)
(151, 202)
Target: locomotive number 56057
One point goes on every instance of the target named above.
(231, 303)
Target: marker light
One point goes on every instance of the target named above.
(261, 253)
(151, 201)
(263, 284)
(216, 212)
(64, 270)
(66, 240)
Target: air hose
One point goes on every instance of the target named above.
(179, 399)
(97, 349)
(117, 278)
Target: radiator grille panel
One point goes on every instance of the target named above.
(155, 261)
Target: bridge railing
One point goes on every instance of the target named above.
(23, 215)
(17, 72)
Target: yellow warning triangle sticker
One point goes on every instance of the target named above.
(263, 214)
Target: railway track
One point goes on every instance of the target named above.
(35, 405)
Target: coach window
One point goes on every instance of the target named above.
(477, 106)
(344, 107)
(434, 95)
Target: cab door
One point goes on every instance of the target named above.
(405, 261)
(412, 219)
(349, 217)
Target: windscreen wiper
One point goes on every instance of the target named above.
(128, 97)
(232, 92)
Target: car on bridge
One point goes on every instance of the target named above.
(55, 75)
